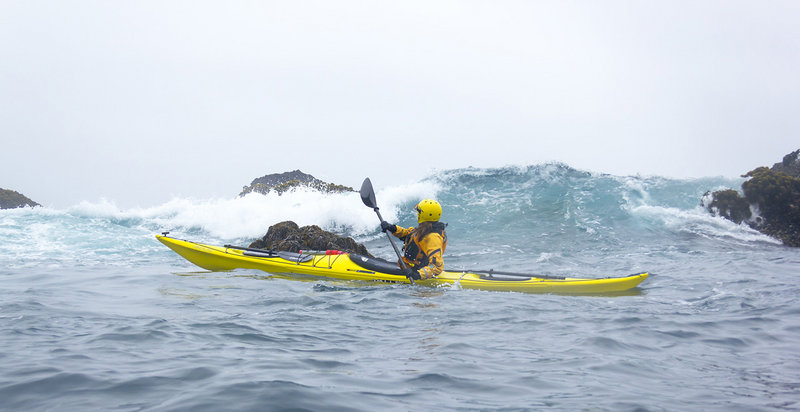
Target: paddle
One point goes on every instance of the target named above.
(495, 272)
(368, 197)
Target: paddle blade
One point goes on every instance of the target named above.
(368, 194)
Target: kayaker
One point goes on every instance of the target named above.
(424, 245)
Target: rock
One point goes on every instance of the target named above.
(288, 236)
(728, 204)
(771, 197)
(790, 164)
(10, 199)
(281, 182)
(776, 196)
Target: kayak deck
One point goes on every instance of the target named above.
(345, 266)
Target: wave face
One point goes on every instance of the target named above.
(550, 211)
(96, 314)
(569, 219)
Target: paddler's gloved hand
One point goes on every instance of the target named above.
(388, 227)
(411, 273)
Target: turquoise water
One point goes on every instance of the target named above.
(96, 314)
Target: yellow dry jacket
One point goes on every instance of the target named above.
(424, 255)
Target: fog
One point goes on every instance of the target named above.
(140, 102)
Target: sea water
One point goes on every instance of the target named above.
(95, 314)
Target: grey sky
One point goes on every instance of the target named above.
(140, 101)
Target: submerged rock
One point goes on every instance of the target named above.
(10, 199)
(770, 201)
(292, 238)
(281, 182)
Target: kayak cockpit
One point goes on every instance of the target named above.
(376, 264)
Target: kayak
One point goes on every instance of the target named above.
(351, 266)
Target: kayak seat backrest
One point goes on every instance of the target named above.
(376, 264)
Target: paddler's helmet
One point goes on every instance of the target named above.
(428, 211)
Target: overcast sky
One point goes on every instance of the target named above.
(139, 101)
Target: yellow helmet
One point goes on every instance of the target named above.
(428, 211)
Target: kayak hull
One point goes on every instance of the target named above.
(221, 258)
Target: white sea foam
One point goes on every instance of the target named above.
(638, 201)
(251, 215)
(92, 232)
(699, 222)
(480, 212)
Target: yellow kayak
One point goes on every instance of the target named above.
(350, 266)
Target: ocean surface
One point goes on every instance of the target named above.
(95, 314)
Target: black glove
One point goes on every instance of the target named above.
(411, 273)
(388, 227)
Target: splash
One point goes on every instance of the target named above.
(551, 211)
(90, 230)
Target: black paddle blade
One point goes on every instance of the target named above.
(368, 194)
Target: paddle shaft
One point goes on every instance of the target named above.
(394, 246)
(495, 272)
(368, 197)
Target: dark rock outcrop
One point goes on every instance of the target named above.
(790, 164)
(289, 237)
(771, 201)
(10, 199)
(281, 182)
(730, 205)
